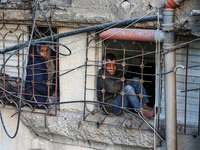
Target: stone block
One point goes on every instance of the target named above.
(17, 15)
(68, 128)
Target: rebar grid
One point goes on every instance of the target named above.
(11, 82)
(124, 64)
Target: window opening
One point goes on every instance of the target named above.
(11, 72)
(129, 67)
(138, 66)
(42, 84)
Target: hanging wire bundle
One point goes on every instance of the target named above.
(18, 95)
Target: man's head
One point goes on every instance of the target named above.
(45, 52)
(111, 65)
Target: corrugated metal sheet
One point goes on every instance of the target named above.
(193, 82)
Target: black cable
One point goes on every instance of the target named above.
(36, 27)
(86, 29)
(72, 101)
(38, 42)
(80, 101)
(96, 66)
(46, 20)
(32, 43)
(20, 98)
(10, 57)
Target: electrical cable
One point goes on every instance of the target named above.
(36, 26)
(64, 55)
(157, 55)
(50, 30)
(137, 20)
(20, 98)
(148, 53)
(70, 70)
(169, 50)
(87, 101)
(86, 29)
(38, 42)
(9, 58)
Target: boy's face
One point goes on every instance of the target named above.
(45, 52)
(111, 66)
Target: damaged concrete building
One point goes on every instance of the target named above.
(155, 40)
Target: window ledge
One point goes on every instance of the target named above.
(69, 128)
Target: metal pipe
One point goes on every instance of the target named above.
(133, 34)
(170, 81)
(83, 30)
(172, 4)
(186, 84)
(199, 115)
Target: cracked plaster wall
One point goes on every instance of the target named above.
(80, 13)
(68, 128)
(68, 131)
(26, 139)
(61, 132)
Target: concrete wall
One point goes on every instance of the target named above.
(26, 139)
(80, 13)
(75, 85)
(63, 131)
(67, 130)
(72, 84)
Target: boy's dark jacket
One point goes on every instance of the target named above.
(40, 79)
(111, 84)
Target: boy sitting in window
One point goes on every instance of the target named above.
(110, 88)
(40, 72)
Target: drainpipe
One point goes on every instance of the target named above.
(170, 79)
(133, 34)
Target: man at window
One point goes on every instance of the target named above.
(109, 86)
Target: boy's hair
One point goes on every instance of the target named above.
(110, 56)
(39, 45)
